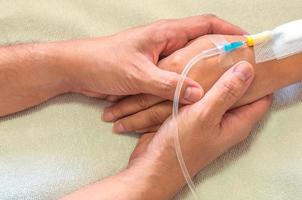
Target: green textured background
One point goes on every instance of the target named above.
(61, 145)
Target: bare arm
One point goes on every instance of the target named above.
(33, 73)
(29, 75)
(146, 112)
(142, 180)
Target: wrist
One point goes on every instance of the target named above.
(49, 57)
(158, 170)
(153, 180)
(64, 57)
(82, 61)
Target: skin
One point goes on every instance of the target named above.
(98, 67)
(118, 65)
(143, 113)
(206, 126)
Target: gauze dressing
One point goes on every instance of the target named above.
(287, 39)
(283, 41)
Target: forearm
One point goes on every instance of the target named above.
(29, 75)
(269, 76)
(33, 73)
(120, 187)
(143, 180)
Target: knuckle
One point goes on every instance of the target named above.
(210, 19)
(161, 26)
(155, 116)
(176, 61)
(162, 23)
(113, 110)
(130, 122)
(230, 89)
(210, 16)
(141, 101)
(169, 84)
(172, 34)
(163, 30)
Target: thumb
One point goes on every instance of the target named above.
(163, 83)
(228, 89)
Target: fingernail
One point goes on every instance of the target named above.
(118, 127)
(243, 70)
(193, 94)
(108, 116)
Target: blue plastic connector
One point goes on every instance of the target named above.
(232, 46)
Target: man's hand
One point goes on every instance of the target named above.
(207, 128)
(125, 63)
(121, 64)
(145, 113)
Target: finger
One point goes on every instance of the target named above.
(153, 116)
(220, 26)
(114, 98)
(208, 24)
(178, 32)
(148, 130)
(94, 94)
(129, 105)
(238, 123)
(228, 89)
(163, 83)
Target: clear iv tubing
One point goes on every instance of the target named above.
(205, 54)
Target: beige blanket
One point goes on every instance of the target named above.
(55, 148)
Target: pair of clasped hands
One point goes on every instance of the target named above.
(138, 70)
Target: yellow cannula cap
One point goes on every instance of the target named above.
(259, 38)
(249, 41)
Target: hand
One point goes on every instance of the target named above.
(145, 113)
(207, 129)
(125, 63)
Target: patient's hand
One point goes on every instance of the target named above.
(205, 126)
(146, 112)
